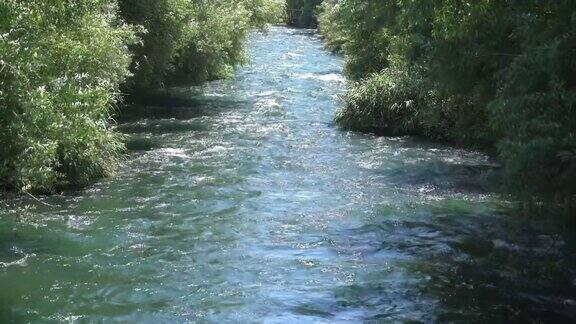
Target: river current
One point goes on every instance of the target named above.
(241, 202)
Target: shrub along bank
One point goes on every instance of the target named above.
(500, 74)
(62, 64)
(191, 41)
(308, 12)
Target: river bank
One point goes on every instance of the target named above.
(478, 75)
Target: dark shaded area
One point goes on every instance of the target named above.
(302, 13)
(479, 268)
(178, 103)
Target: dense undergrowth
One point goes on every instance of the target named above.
(308, 12)
(60, 69)
(63, 63)
(191, 42)
(501, 74)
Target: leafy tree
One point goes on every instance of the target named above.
(308, 16)
(61, 65)
(493, 73)
(191, 41)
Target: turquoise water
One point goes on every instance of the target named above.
(241, 202)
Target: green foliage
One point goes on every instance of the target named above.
(61, 64)
(330, 25)
(191, 41)
(534, 109)
(495, 73)
(263, 12)
(386, 103)
(308, 8)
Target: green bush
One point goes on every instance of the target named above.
(186, 42)
(60, 68)
(535, 109)
(264, 12)
(62, 64)
(496, 73)
(330, 26)
(385, 103)
(308, 17)
(215, 45)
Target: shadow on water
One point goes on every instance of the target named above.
(177, 103)
(478, 267)
(139, 143)
(178, 110)
(445, 176)
(162, 126)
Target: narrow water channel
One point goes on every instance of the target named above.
(243, 203)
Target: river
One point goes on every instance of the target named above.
(241, 202)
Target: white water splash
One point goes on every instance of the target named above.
(23, 262)
(331, 77)
(175, 152)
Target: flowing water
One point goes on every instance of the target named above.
(241, 202)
